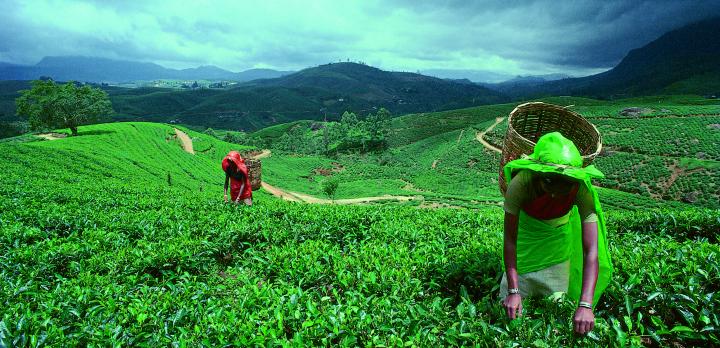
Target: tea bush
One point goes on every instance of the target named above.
(97, 250)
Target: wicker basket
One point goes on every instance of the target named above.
(529, 121)
(255, 172)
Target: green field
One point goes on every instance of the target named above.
(119, 237)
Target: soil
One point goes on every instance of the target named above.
(482, 141)
(185, 141)
(279, 193)
(300, 197)
(52, 136)
(257, 154)
(323, 171)
(436, 205)
(460, 136)
(337, 168)
(675, 172)
(635, 111)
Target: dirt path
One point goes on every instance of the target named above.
(52, 136)
(480, 135)
(279, 193)
(648, 117)
(675, 172)
(263, 154)
(460, 136)
(185, 141)
(301, 197)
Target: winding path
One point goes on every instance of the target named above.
(185, 141)
(479, 136)
(263, 154)
(301, 197)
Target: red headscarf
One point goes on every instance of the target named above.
(239, 162)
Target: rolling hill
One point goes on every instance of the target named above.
(314, 93)
(326, 90)
(399, 92)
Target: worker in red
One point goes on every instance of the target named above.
(237, 173)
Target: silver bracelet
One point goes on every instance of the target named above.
(584, 304)
(513, 291)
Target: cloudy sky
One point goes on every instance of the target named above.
(508, 37)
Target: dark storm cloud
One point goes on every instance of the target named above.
(589, 34)
(513, 37)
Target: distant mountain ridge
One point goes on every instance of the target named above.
(537, 78)
(93, 69)
(477, 76)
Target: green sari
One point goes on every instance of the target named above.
(540, 245)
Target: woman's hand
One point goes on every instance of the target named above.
(584, 320)
(513, 305)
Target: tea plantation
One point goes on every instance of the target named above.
(117, 237)
(668, 150)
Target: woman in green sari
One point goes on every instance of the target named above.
(554, 230)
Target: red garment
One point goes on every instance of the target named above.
(236, 184)
(548, 207)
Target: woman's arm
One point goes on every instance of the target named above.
(227, 178)
(513, 302)
(590, 261)
(584, 319)
(242, 189)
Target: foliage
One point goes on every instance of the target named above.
(329, 186)
(159, 265)
(49, 105)
(211, 132)
(350, 134)
(674, 136)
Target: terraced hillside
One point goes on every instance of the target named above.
(663, 148)
(119, 237)
(663, 152)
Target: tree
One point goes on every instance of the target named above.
(211, 132)
(378, 126)
(329, 186)
(51, 105)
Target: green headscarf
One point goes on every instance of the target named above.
(554, 153)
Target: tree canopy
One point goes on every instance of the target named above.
(51, 105)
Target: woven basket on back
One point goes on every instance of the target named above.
(255, 171)
(529, 121)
